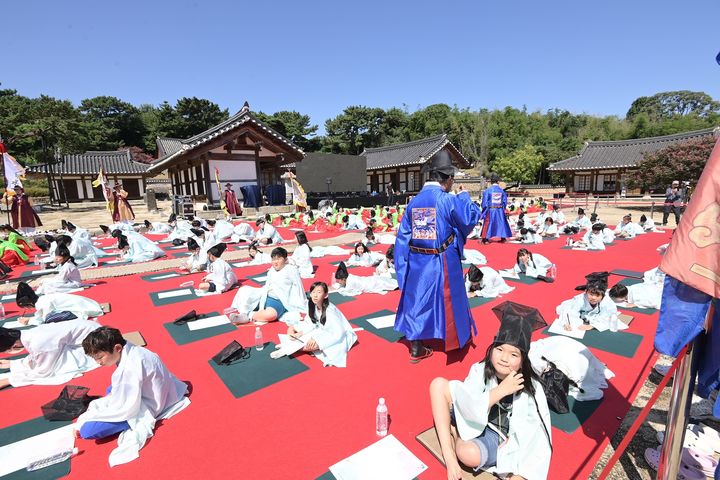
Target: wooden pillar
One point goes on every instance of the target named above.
(259, 175)
(206, 174)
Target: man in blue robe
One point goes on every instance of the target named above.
(494, 202)
(428, 261)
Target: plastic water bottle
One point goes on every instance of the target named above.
(381, 418)
(36, 260)
(2, 312)
(552, 273)
(51, 460)
(259, 344)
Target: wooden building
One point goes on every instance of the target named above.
(400, 164)
(244, 150)
(74, 174)
(601, 167)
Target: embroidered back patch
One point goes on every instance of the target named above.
(496, 199)
(424, 224)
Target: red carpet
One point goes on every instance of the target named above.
(299, 427)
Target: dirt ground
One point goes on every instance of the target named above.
(632, 464)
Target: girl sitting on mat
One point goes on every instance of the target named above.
(198, 259)
(369, 239)
(500, 411)
(283, 292)
(68, 276)
(485, 282)
(528, 235)
(532, 265)
(332, 334)
(361, 257)
(301, 256)
(593, 239)
(266, 233)
(257, 257)
(549, 229)
(220, 277)
(589, 310)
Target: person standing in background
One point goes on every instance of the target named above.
(24, 217)
(122, 212)
(231, 201)
(494, 203)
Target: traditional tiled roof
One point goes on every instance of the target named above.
(118, 162)
(623, 153)
(416, 152)
(171, 148)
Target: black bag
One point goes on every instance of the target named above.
(233, 351)
(556, 385)
(5, 268)
(70, 404)
(177, 242)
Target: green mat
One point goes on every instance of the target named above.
(579, 412)
(523, 279)
(178, 254)
(624, 344)
(644, 311)
(335, 264)
(12, 319)
(630, 281)
(159, 302)
(257, 372)
(28, 429)
(627, 273)
(183, 335)
(153, 276)
(389, 333)
(329, 476)
(477, 301)
(256, 276)
(336, 299)
(29, 274)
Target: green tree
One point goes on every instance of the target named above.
(110, 123)
(669, 104)
(294, 126)
(522, 165)
(195, 115)
(354, 130)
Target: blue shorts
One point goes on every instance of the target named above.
(487, 442)
(275, 304)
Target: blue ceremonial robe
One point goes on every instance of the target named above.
(495, 224)
(433, 302)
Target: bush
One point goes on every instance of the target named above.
(36, 187)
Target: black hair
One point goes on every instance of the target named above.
(122, 242)
(619, 291)
(192, 244)
(345, 218)
(436, 176)
(597, 288)
(341, 273)
(549, 219)
(64, 252)
(360, 244)
(259, 221)
(525, 369)
(311, 305)
(196, 224)
(217, 250)
(302, 239)
(117, 233)
(253, 245)
(8, 228)
(71, 227)
(147, 223)
(581, 211)
(523, 251)
(598, 227)
(210, 222)
(475, 274)
(523, 231)
(103, 339)
(369, 233)
(278, 252)
(198, 232)
(268, 218)
(643, 218)
(390, 252)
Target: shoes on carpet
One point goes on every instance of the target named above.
(418, 352)
(188, 317)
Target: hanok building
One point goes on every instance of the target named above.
(244, 150)
(73, 174)
(601, 167)
(399, 165)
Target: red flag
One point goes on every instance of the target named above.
(2, 148)
(693, 256)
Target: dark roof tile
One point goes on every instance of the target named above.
(118, 162)
(416, 152)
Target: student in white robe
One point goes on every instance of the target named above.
(181, 229)
(45, 305)
(266, 233)
(68, 276)
(55, 353)
(477, 229)
(220, 277)
(302, 255)
(283, 292)
(643, 295)
(137, 248)
(500, 410)
(203, 238)
(361, 257)
(158, 228)
(352, 285)
(222, 229)
(386, 268)
(539, 220)
(589, 310)
(142, 391)
(593, 239)
(353, 222)
(76, 232)
(549, 229)
(258, 257)
(198, 259)
(528, 235)
(369, 239)
(474, 257)
(557, 215)
(332, 336)
(242, 232)
(648, 224)
(485, 282)
(533, 265)
(580, 223)
(84, 253)
(627, 228)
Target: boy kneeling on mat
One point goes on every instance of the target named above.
(142, 391)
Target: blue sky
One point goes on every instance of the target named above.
(318, 57)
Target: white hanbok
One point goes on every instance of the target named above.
(284, 284)
(355, 222)
(527, 450)
(574, 360)
(491, 286)
(330, 250)
(269, 232)
(357, 285)
(80, 233)
(261, 258)
(608, 236)
(364, 260)
(223, 229)
(68, 278)
(599, 317)
(538, 266)
(582, 222)
(531, 238)
(160, 228)
(221, 274)
(143, 391)
(649, 226)
(301, 259)
(85, 255)
(181, 231)
(197, 262)
(334, 339)
(385, 269)
(141, 249)
(594, 241)
(55, 354)
(558, 217)
(474, 257)
(81, 307)
(629, 230)
(550, 230)
(242, 231)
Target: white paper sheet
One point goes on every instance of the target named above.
(259, 279)
(43, 271)
(8, 297)
(386, 459)
(288, 345)
(208, 322)
(508, 273)
(114, 262)
(13, 324)
(240, 264)
(205, 293)
(382, 322)
(175, 293)
(558, 327)
(16, 456)
(169, 275)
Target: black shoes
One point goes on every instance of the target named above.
(188, 317)
(418, 351)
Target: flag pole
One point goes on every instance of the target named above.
(7, 205)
